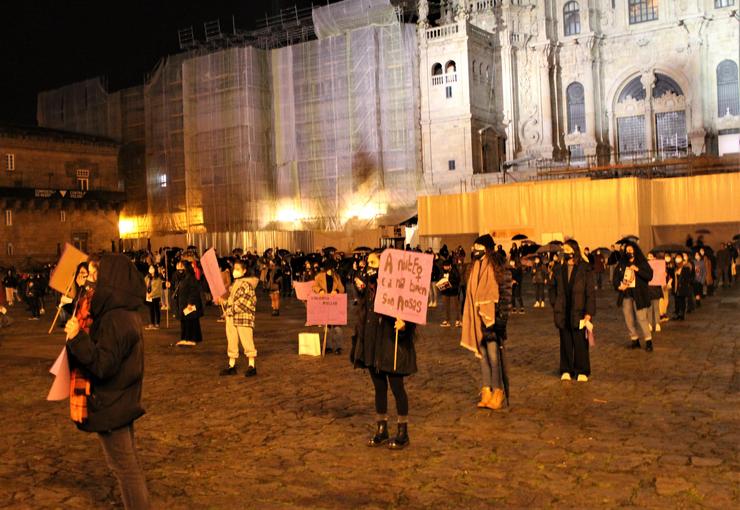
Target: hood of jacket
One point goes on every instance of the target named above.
(119, 285)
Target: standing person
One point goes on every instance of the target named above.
(188, 304)
(539, 279)
(153, 297)
(665, 298)
(10, 282)
(109, 358)
(517, 277)
(682, 287)
(700, 278)
(599, 267)
(480, 333)
(274, 279)
(68, 304)
(634, 275)
(450, 290)
(655, 293)
(709, 270)
(241, 308)
(612, 261)
(329, 282)
(33, 297)
(374, 350)
(436, 275)
(723, 265)
(574, 300)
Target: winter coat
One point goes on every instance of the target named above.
(111, 356)
(572, 298)
(481, 300)
(373, 345)
(640, 292)
(708, 269)
(153, 287)
(241, 305)
(321, 284)
(700, 272)
(187, 292)
(539, 273)
(454, 278)
(683, 282)
(274, 279)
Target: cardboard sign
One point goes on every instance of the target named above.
(209, 262)
(403, 285)
(60, 387)
(303, 289)
(62, 279)
(659, 275)
(327, 309)
(309, 344)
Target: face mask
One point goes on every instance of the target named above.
(630, 256)
(477, 254)
(151, 271)
(567, 256)
(668, 259)
(238, 273)
(181, 272)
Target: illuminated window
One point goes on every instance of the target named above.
(572, 18)
(9, 250)
(163, 181)
(643, 10)
(727, 89)
(83, 183)
(10, 162)
(723, 3)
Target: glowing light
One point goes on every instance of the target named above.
(126, 226)
(287, 214)
(365, 212)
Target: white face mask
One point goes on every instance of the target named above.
(238, 273)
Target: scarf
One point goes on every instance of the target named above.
(481, 297)
(79, 385)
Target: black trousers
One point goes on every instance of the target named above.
(574, 358)
(680, 302)
(381, 381)
(190, 330)
(516, 296)
(539, 291)
(155, 311)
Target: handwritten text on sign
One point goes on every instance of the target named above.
(327, 310)
(403, 285)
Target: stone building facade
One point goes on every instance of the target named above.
(56, 187)
(597, 80)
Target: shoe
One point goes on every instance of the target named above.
(565, 376)
(649, 346)
(33, 318)
(657, 328)
(401, 440)
(497, 400)
(521, 311)
(485, 397)
(42, 311)
(432, 305)
(186, 343)
(458, 324)
(650, 327)
(445, 324)
(635, 344)
(536, 304)
(338, 350)
(228, 371)
(381, 434)
(329, 350)
(250, 371)
(156, 326)
(582, 378)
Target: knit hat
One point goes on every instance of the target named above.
(486, 241)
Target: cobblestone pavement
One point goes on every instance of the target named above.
(648, 430)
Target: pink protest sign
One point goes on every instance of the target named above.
(303, 289)
(327, 310)
(658, 267)
(403, 285)
(60, 387)
(209, 262)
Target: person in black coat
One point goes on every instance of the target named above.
(683, 278)
(188, 304)
(573, 299)
(449, 287)
(373, 348)
(111, 357)
(632, 280)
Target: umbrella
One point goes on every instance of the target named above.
(549, 248)
(628, 238)
(603, 249)
(282, 252)
(528, 241)
(670, 248)
(528, 248)
(703, 231)
(329, 249)
(736, 237)
(362, 249)
(519, 237)
(555, 241)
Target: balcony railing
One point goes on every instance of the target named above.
(443, 31)
(442, 79)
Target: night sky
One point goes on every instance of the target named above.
(46, 44)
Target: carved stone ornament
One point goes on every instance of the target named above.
(629, 107)
(669, 102)
(582, 139)
(423, 9)
(728, 121)
(530, 132)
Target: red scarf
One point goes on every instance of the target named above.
(79, 385)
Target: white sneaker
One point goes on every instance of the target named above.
(565, 376)
(650, 327)
(582, 378)
(657, 328)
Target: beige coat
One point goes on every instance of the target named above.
(481, 297)
(320, 283)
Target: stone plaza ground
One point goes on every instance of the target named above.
(656, 430)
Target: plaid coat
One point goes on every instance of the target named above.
(242, 303)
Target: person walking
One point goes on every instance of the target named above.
(188, 304)
(655, 292)
(573, 299)
(240, 310)
(374, 350)
(107, 362)
(480, 333)
(153, 297)
(633, 275)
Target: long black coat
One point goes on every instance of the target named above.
(374, 342)
(112, 355)
(574, 298)
(187, 292)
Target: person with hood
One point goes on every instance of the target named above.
(573, 299)
(106, 356)
(632, 279)
(329, 281)
(374, 348)
(483, 330)
(188, 304)
(240, 310)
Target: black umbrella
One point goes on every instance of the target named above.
(703, 231)
(670, 248)
(528, 249)
(736, 237)
(282, 252)
(628, 238)
(362, 249)
(329, 249)
(603, 249)
(549, 248)
(555, 241)
(519, 237)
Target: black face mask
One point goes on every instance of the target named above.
(180, 272)
(567, 256)
(477, 254)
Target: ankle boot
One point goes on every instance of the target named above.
(497, 400)
(381, 434)
(635, 344)
(485, 397)
(401, 440)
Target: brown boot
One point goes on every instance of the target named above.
(485, 397)
(497, 400)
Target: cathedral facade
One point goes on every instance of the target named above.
(604, 81)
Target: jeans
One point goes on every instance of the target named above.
(490, 365)
(636, 320)
(119, 449)
(680, 303)
(516, 295)
(452, 305)
(654, 313)
(380, 382)
(333, 337)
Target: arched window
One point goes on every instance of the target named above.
(572, 18)
(576, 107)
(450, 67)
(642, 10)
(728, 99)
(474, 69)
(436, 69)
